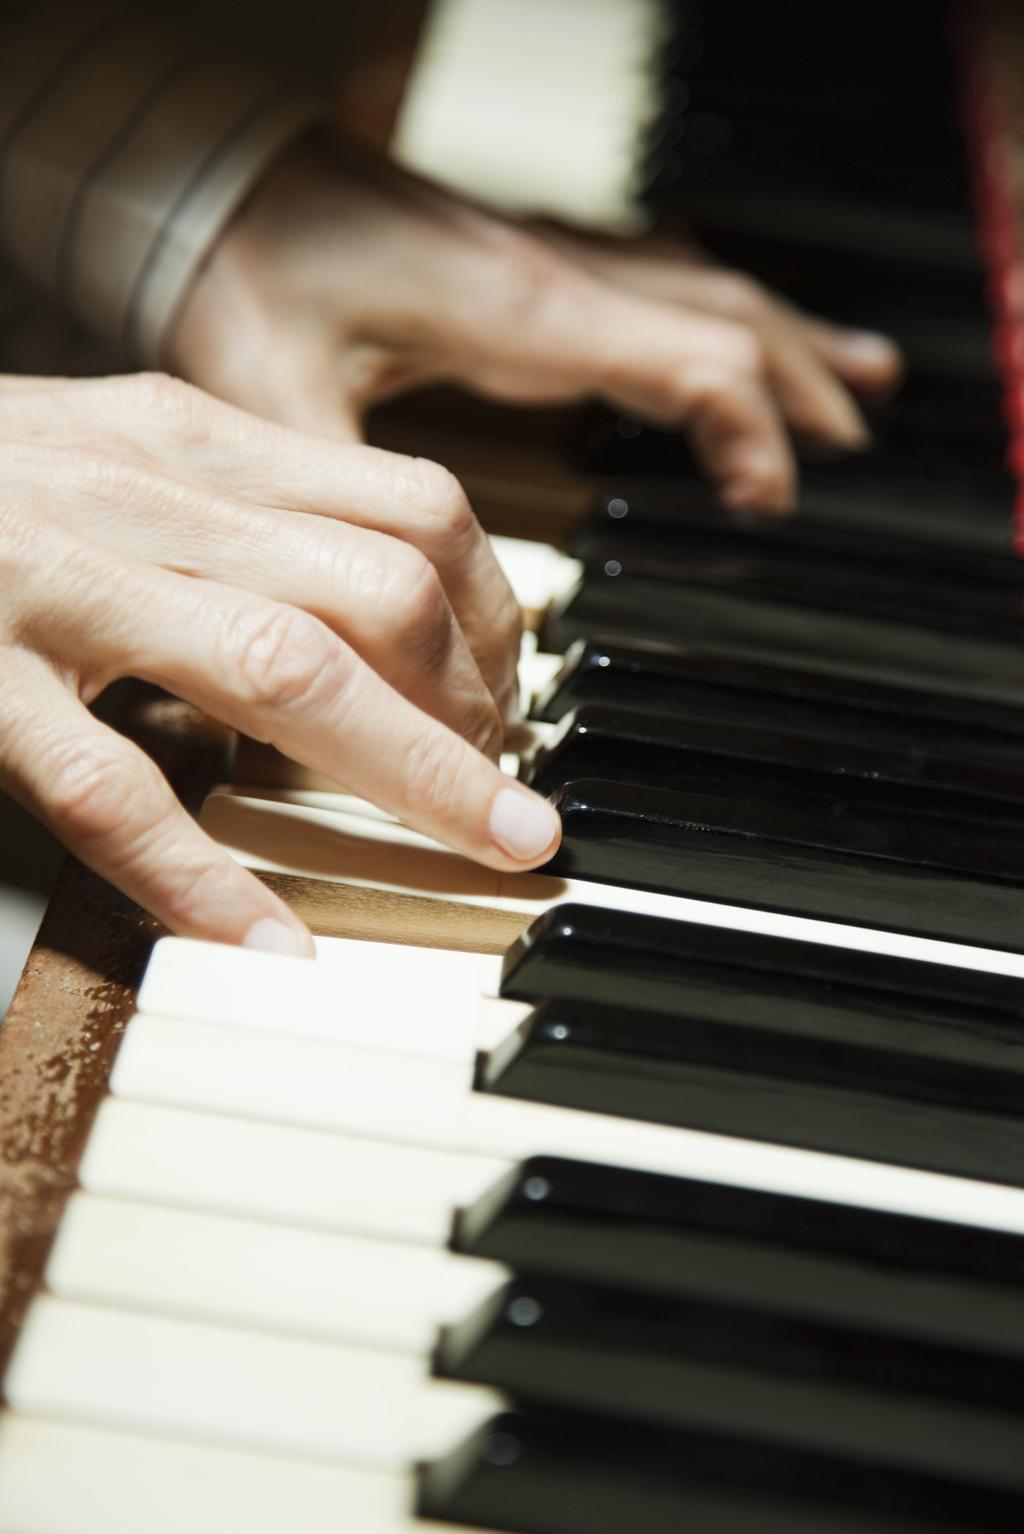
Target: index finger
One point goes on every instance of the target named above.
(282, 676)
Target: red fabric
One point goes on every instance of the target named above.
(999, 230)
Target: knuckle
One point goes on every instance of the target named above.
(711, 390)
(532, 277)
(108, 476)
(746, 355)
(714, 386)
(441, 498)
(171, 402)
(508, 626)
(739, 296)
(96, 790)
(283, 656)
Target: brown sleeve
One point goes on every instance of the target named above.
(125, 147)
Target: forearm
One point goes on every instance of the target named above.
(125, 148)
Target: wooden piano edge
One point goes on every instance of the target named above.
(76, 993)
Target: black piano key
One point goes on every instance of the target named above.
(925, 499)
(956, 886)
(682, 1237)
(669, 522)
(759, 567)
(929, 502)
(693, 682)
(922, 440)
(824, 224)
(848, 1083)
(681, 968)
(558, 1474)
(837, 778)
(873, 288)
(743, 1034)
(623, 602)
(700, 1364)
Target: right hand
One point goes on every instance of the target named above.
(339, 602)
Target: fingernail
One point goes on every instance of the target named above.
(272, 936)
(749, 497)
(870, 348)
(523, 824)
(854, 432)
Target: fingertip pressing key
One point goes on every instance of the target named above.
(525, 826)
(746, 494)
(270, 935)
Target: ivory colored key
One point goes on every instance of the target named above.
(238, 1386)
(373, 1293)
(537, 572)
(403, 1103)
(435, 1008)
(282, 1079)
(69, 1478)
(268, 1172)
(303, 834)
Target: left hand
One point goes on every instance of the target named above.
(343, 282)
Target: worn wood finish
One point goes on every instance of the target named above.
(385, 916)
(60, 1036)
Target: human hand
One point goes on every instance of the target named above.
(343, 282)
(337, 601)
(814, 366)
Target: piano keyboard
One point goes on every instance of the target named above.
(689, 1187)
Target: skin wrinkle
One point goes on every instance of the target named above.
(176, 513)
(94, 593)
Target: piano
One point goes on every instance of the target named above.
(683, 1180)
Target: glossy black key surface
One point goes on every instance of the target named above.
(745, 1370)
(758, 567)
(684, 1237)
(535, 1473)
(729, 610)
(926, 880)
(682, 968)
(670, 522)
(955, 500)
(693, 682)
(934, 1095)
(838, 778)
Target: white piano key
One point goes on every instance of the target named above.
(396, 1101)
(283, 834)
(379, 1294)
(362, 1000)
(447, 965)
(284, 1080)
(70, 1478)
(537, 668)
(368, 982)
(575, 136)
(221, 1384)
(270, 1172)
(537, 572)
